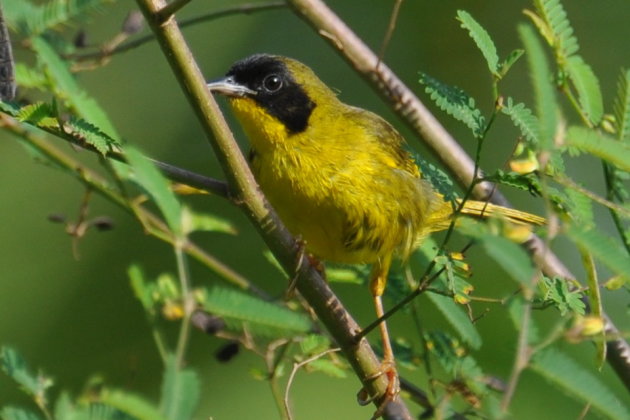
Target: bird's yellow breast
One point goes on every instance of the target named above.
(349, 195)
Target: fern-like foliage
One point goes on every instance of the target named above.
(602, 247)
(34, 385)
(76, 130)
(560, 293)
(32, 20)
(600, 145)
(39, 114)
(244, 312)
(180, 391)
(524, 120)
(575, 380)
(587, 87)
(526, 182)
(67, 88)
(437, 177)
(508, 62)
(621, 107)
(455, 102)
(580, 207)
(28, 77)
(457, 318)
(453, 358)
(481, 38)
(544, 93)
(554, 25)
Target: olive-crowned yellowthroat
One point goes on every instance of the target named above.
(338, 176)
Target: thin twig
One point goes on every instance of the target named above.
(296, 367)
(390, 31)
(170, 9)
(189, 302)
(567, 182)
(273, 360)
(523, 354)
(246, 8)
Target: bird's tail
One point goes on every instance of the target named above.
(483, 209)
(442, 217)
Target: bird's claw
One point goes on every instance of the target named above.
(388, 369)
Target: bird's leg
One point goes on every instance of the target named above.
(378, 282)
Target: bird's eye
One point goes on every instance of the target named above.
(272, 83)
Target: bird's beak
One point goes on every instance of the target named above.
(228, 86)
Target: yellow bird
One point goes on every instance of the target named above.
(338, 176)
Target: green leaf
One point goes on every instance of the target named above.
(602, 247)
(144, 291)
(345, 275)
(131, 404)
(580, 207)
(454, 278)
(10, 108)
(457, 318)
(553, 14)
(453, 357)
(437, 177)
(482, 39)
(241, 311)
(621, 107)
(526, 182)
(205, 222)
(544, 92)
(34, 19)
(455, 102)
(327, 367)
(558, 291)
(40, 114)
(180, 391)
(524, 120)
(573, 379)
(15, 413)
(28, 77)
(91, 135)
(16, 368)
(271, 259)
(65, 409)
(587, 87)
(600, 145)
(67, 88)
(153, 182)
(314, 344)
(509, 61)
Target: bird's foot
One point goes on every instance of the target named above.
(388, 369)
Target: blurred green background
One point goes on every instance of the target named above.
(77, 317)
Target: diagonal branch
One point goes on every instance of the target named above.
(433, 134)
(251, 201)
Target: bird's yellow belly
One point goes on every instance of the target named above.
(334, 216)
(308, 212)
